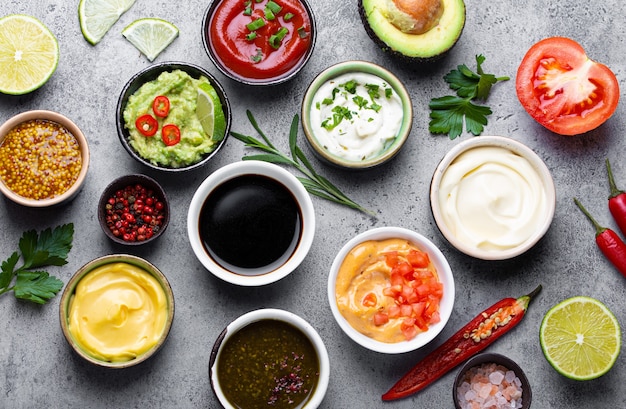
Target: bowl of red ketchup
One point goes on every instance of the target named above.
(264, 42)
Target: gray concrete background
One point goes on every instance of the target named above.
(37, 367)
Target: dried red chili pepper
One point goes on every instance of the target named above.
(617, 201)
(479, 333)
(611, 245)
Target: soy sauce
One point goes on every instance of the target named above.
(250, 222)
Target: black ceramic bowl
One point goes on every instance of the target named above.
(151, 73)
(107, 210)
(492, 358)
(279, 78)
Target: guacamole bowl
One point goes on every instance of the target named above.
(117, 311)
(173, 116)
(293, 369)
(53, 169)
(259, 51)
(380, 121)
(382, 309)
(133, 210)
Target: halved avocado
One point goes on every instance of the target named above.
(378, 15)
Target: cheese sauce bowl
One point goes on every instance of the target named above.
(366, 290)
(53, 169)
(492, 197)
(251, 223)
(356, 115)
(292, 371)
(117, 311)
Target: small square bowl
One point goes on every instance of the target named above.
(376, 136)
(121, 201)
(140, 280)
(279, 67)
(38, 179)
(517, 380)
(151, 74)
(374, 280)
(283, 329)
(254, 209)
(492, 197)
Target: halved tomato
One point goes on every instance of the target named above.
(563, 89)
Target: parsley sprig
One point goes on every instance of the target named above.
(49, 248)
(313, 182)
(449, 112)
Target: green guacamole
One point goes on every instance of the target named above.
(182, 91)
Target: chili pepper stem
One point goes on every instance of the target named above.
(614, 190)
(526, 299)
(596, 225)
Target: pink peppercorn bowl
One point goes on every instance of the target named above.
(158, 227)
(493, 358)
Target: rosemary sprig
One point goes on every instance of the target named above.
(312, 181)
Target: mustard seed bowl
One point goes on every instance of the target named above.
(54, 141)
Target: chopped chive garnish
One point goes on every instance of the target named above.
(247, 11)
(302, 32)
(269, 14)
(251, 36)
(288, 16)
(258, 56)
(327, 101)
(255, 24)
(271, 5)
(388, 92)
(276, 39)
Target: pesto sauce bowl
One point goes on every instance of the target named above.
(151, 73)
(283, 327)
(69, 296)
(83, 147)
(340, 155)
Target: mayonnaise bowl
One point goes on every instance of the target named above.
(116, 311)
(356, 115)
(492, 197)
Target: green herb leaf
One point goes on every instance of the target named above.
(49, 249)
(314, 183)
(7, 272)
(36, 286)
(450, 113)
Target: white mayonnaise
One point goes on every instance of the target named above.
(368, 124)
(492, 198)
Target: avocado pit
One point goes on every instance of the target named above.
(414, 16)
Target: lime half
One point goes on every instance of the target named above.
(29, 54)
(210, 113)
(150, 35)
(581, 338)
(98, 16)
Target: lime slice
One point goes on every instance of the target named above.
(210, 113)
(29, 54)
(580, 337)
(150, 35)
(98, 16)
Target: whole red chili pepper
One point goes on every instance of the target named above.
(475, 336)
(617, 201)
(611, 245)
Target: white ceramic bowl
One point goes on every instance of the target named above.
(55, 117)
(317, 396)
(356, 67)
(541, 176)
(445, 277)
(281, 267)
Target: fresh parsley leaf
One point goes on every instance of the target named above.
(350, 86)
(36, 286)
(450, 113)
(49, 248)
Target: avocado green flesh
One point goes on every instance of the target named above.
(429, 45)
